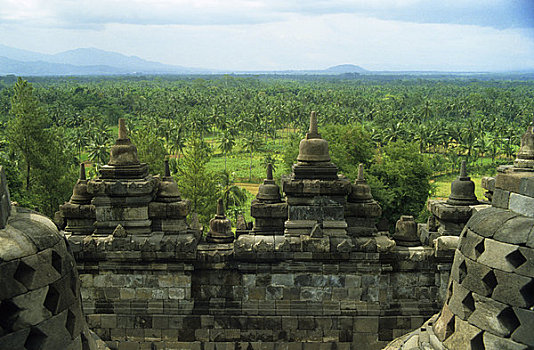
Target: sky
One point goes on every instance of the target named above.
(444, 35)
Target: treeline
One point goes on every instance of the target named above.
(450, 119)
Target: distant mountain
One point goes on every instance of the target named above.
(92, 61)
(346, 68)
(9, 66)
(85, 61)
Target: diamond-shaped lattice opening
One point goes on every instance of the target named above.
(24, 273)
(8, 314)
(52, 300)
(527, 292)
(477, 343)
(516, 258)
(56, 261)
(490, 281)
(469, 304)
(449, 329)
(462, 271)
(70, 323)
(35, 340)
(509, 320)
(479, 248)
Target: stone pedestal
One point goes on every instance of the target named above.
(449, 217)
(361, 210)
(220, 227)
(268, 210)
(406, 232)
(168, 211)
(316, 198)
(123, 190)
(78, 211)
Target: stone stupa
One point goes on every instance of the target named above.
(362, 211)
(123, 190)
(450, 216)
(220, 227)
(40, 301)
(267, 209)
(316, 196)
(490, 298)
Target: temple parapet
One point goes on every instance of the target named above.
(312, 269)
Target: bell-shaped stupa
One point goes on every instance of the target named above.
(361, 211)
(313, 161)
(268, 210)
(462, 189)
(220, 227)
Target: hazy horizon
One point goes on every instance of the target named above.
(456, 35)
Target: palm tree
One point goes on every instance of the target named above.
(232, 195)
(227, 144)
(251, 145)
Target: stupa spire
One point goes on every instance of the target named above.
(313, 131)
(167, 169)
(360, 172)
(463, 169)
(123, 131)
(220, 207)
(82, 171)
(269, 171)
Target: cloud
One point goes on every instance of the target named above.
(493, 13)
(258, 35)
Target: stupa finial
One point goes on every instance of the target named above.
(167, 169)
(269, 171)
(313, 124)
(220, 207)
(123, 131)
(463, 169)
(360, 172)
(82, 172)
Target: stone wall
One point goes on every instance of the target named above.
(358, 300)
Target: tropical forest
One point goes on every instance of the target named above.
(219, 132)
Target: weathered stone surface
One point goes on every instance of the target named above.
(452, 213)
(495, 253)
(500, 198)
(14, 244)
(368, 210)
(471, 245)
(511, 180)
(465, 336)
(444, 325)
(521, 204)
(526, 187)
(384, 244)
(524, 261)
(172, 210)
(406, 232)
(524, 333)
(493, 316)
(445, 245)
(311, 188)
(268, 210)
(32, 309)
(489, 221)
(514, 289)
(493, 342)
(475, 277)
(461, 301)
